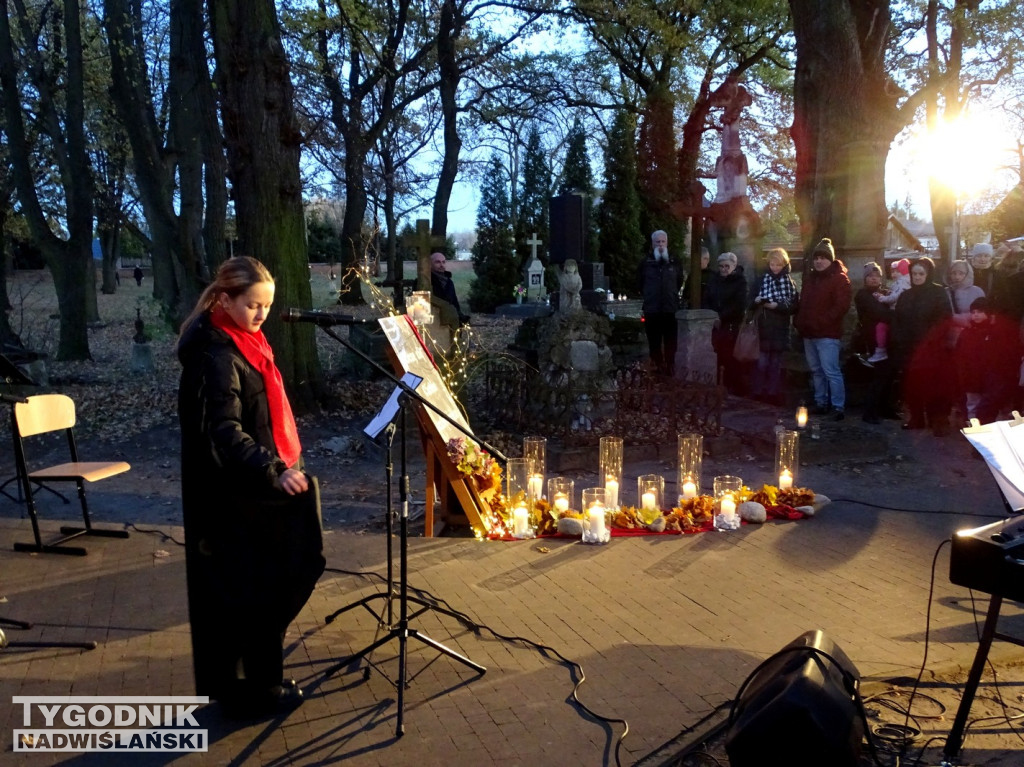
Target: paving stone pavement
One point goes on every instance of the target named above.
(665, 628)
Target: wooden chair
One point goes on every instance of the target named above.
(48, 413)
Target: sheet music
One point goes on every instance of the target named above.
(1001, 444)
(390, 408)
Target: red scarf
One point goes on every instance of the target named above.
(257, 352)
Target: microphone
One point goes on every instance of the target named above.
(321, 318)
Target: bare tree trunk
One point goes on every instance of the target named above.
(183, 246)
(70, 261)
(844, 121)
(263, 157)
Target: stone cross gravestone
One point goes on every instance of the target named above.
(535, 290)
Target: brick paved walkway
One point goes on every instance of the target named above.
(666, 629)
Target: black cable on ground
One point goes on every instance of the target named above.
(163, 536)
(544, 650)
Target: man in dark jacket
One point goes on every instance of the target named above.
(824, 302)
(661, 277)
(442, 286)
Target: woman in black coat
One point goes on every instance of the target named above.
(727, 295)
(920, 339)
(253, 546)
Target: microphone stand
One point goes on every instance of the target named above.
(402, 630)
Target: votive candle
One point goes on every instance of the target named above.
(536, 486)
(596, 514)
(520, 520)
(561, 503)
(611, 492)
(689, 489)
(728, 506)
(648, 500)
(786, 480)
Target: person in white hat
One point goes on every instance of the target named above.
(985, 276)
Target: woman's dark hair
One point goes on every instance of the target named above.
(234, 277)
(926, 262)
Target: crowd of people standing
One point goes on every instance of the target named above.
(941, 348)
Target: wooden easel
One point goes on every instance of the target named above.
(444, 480)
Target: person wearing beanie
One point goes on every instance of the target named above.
(871, 313)
(661, 277)
(824, 302)
(920, 345)
(727, 295)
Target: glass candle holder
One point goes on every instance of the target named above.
(691, 458)
(561, 494)
(727, 485)
(535, 452)
(595, 516)
(650, 491)
(787, 457)
(517, 480)
(610, 469)
(418, 307)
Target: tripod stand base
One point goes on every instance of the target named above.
(4, 643)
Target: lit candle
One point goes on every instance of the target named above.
(647, 500)
(596, 512)
(689, 489)
(801, 417)
(611, 492)
(536, 486)
(728, 506)
(561, 502)
(785, 480)
(520, 520)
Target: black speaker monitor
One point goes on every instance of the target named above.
(799, 709)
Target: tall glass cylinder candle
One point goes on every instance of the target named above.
(691, 460)
(610, 470)
(535, 452)
(517, 480)
(650, 491)
(561, 494)
(787, 458)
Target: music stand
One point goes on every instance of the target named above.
(397, 405)
(1002, 448)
